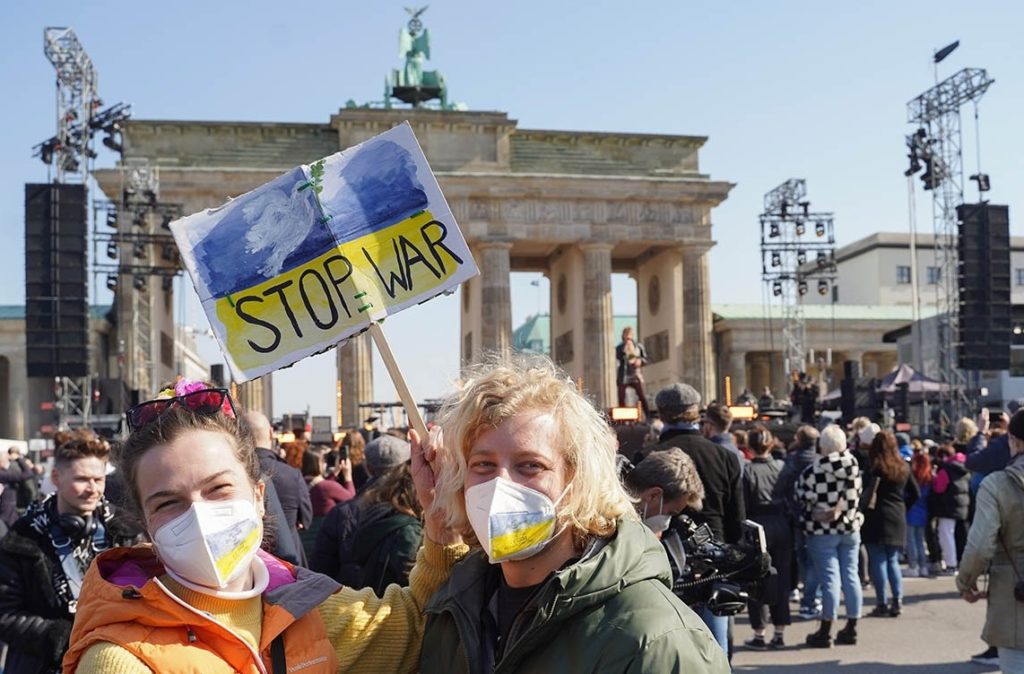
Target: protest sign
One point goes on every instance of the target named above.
(318, 254)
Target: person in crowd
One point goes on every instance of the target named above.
(326, 493)
(906, 449)
(861, 441)
(739, 438)
(369, 430)
(720, 473)
(44, 558)
(995, 544)
(888, 491)
(803, 453)
(352, 446)
(967, 437)
(664, 485)
(390, 530)
(563, 577)
(830, 491)
(631, 358)
(715, 427)
(917, 516)
(951, 495)
(334, 555)
(294, 452)
(11, 478)
(28, 489)
(288, 482)
(766, 400)
(198, 601)
(766, 507)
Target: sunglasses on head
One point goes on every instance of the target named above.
(207, 402)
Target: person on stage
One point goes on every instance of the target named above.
(631, 358)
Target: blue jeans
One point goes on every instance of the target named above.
(719, 626)
(1011, 660)
(835, 558)
(884, 567)
(917, 553)
(806, 566)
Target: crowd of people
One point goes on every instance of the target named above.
(516, 537)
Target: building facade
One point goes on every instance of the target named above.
(574, 205)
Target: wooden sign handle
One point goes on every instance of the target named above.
(411, 408)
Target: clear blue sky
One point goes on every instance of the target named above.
(783, 89)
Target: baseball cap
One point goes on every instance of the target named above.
(386, 452)
(673, 400)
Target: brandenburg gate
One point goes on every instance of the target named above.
(577, 206)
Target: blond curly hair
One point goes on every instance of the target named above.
(501, 388)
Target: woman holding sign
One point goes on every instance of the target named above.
(564, 577)
(205, 597)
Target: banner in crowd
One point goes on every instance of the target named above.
(312, 257)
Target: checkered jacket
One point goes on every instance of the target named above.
(831, 479)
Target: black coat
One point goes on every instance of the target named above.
(292, 492)
(955, 502)
(34, 622)
(333, 553)
(720, 473)
(886, 522)
(785, 487)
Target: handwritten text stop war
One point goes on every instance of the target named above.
(335, 290)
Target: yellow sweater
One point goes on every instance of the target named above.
(369, 633)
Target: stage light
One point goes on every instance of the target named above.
(802, 287)
(139, 250)
(140, 219)
(139, 283)
(150, 197)
(167, 283)
(169, 252)
(773, 231)
(822, 258)
(984, 184)
(819, 228)
(801, 227)
(823, 287)
(112, 250)
(111, 282)
(776, 289)
(112, 218)
(801, 257)
(111, 142)
(776, 260)
(166, 222)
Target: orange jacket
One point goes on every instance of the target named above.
(124, 603)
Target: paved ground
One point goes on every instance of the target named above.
(938, 632)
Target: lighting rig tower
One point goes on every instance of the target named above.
(68, 156)
(797, 256)
(937, 147)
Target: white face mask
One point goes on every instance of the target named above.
(511, 521)
(212, 543)
(658, 523)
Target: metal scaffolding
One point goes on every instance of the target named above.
(797, 250)
(937, 147)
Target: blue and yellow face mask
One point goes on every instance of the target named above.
(511, 521)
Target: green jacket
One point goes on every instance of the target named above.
(385, 545)
(611, 611)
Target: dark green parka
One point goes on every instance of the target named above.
(611, 611)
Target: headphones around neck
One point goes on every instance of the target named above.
(77, 527)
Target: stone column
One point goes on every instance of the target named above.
(355, 370)
(698, 366)
(598, 341)
(495, 296)
(736, 368)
